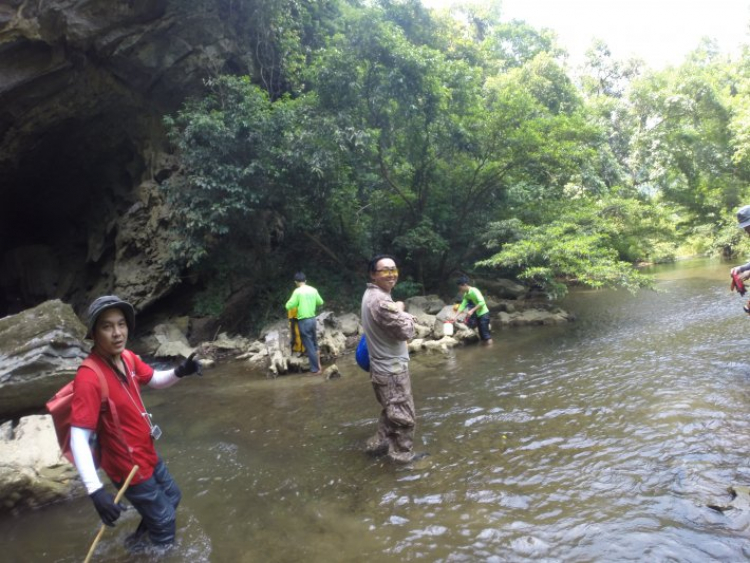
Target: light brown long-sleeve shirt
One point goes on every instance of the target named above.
(387, 329)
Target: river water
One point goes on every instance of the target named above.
(601, 440)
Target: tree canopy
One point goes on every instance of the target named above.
(461, 143)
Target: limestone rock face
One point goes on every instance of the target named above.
(278, 362)
(32, 470)
(535, 316)
(142, 249)
(504, 289)
(40, 351)
(438, 325)
(172, 342)
(349, 324)
(331, 338)
(427, 304)
(84, 85)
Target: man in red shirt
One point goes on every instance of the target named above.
(123, 427)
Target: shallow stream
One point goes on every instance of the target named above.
(602, 440)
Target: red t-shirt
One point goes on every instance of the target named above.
(118, 458)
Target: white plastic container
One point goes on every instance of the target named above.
(447, 328)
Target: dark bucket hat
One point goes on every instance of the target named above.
(103, 303)
(743, 216)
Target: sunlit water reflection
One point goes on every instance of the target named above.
(598, 441)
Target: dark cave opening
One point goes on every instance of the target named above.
(57, 205)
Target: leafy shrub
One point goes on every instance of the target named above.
(405, 289)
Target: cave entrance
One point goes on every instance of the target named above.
(57, 206)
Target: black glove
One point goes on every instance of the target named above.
(188, 367)
(105, 505)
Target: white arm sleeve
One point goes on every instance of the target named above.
(79, 445)
(163, 379)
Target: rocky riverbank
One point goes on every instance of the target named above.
(41, 348)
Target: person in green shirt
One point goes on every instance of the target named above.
(306, 300)
(478, 314)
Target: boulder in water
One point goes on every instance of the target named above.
(33, 472)
(40, 351)
(739, 499)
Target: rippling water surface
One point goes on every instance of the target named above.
(602, 440)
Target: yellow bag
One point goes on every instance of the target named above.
(295, 340)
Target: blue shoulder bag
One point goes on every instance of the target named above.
(362, 354)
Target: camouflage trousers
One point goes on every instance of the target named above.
(395, 433)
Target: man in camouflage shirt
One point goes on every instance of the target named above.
(387, 328)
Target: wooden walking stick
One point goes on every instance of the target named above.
(117, 499)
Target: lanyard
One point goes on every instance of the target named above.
(124, 379)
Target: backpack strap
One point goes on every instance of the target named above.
(107, 405)
(93, 366)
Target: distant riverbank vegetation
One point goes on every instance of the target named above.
(457, 141)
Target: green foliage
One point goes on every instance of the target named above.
(584, 242)
(260, 191)
(639, 231)
(683, 146)
(229, 143)
(723, 239)
(407, 288)
(421, 240)
(210, 300)
(382, 126)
